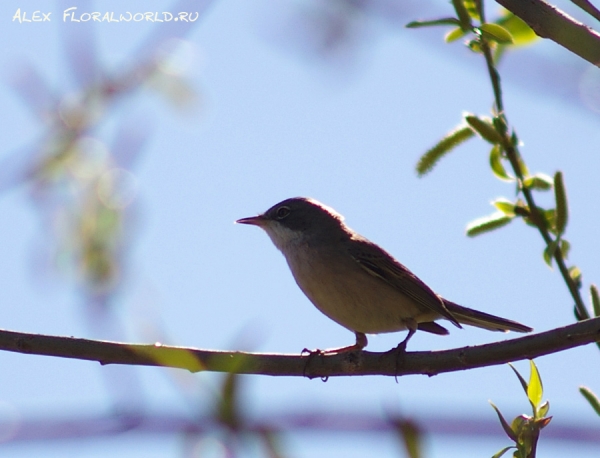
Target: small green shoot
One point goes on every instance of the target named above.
(591, 398)
(524, 430)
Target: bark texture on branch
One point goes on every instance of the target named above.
(354, 363)
(549, 22)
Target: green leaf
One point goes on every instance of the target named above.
(507, 429)
(522, 34)
(505, 206)
(518, 424)
(463, 14)
(496, 33)
(450, 141)
(500, 123)
(539, 218)
(484, 127)
(496, 164)
(522, 166)
(514, 140)
(549, 218)
(227, 407)
(487, 224)
(498, 52)
(565, 247)
(472, 8)
(454, 35)
(562, 210)
(535, 390)
(543, 409)
(410, 435)
(595, 299)
(444, 21)
(575, 274)
(539, 181)
(520, 377)
(549, 252)
(502, 452)
(475, 46)
(591, 398)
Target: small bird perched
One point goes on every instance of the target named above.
(355, 282)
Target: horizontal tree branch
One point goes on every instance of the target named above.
(353, 363)
(549, 22)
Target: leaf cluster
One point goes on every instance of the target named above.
(506, 31)
(524, 430)
(492, 39)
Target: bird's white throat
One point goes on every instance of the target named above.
(284, 238)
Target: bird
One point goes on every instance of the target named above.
(355, 282)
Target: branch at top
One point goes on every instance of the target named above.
(549, 22)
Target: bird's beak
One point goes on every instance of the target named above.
(259, 221)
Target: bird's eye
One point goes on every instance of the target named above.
(282, 212)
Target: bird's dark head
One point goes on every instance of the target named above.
(297, 219)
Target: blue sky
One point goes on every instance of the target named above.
(272, 121)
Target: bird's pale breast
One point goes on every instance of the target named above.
(340, 288)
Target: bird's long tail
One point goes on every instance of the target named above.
(483, 320)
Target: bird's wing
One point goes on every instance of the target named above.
(379, 263)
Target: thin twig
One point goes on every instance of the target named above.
(513, 156)
(587, 6)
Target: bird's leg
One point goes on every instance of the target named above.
(361, 342)
(400, 350)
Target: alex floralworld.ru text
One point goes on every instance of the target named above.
(72, 15)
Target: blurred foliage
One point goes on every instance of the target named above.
(88, 190)
(79, 184)
(410, 436)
